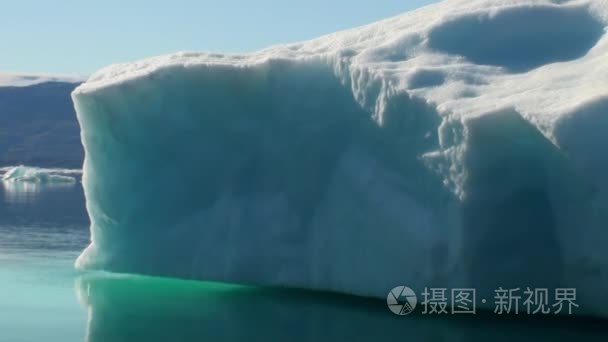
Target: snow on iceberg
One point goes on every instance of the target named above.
(458, 145)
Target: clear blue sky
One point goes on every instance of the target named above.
(78, 37)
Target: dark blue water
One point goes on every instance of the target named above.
(42, 298)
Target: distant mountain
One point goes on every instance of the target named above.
(22, 80)
(38, 124)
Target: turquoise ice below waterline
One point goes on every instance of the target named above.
(42, 298)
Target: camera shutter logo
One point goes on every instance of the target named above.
(401, 300)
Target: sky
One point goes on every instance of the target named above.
(76, 37)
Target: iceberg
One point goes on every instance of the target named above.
(27, 174)
(460, 145)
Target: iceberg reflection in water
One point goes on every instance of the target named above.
(137, 308)
(22, 184)
(41, 234)
(27, 192)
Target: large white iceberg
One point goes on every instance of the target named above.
(458, 145)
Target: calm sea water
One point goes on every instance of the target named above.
(42, 297)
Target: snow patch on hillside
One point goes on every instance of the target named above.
(24, 80)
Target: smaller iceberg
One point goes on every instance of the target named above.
(38, 175)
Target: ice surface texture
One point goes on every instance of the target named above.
(459, 145)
